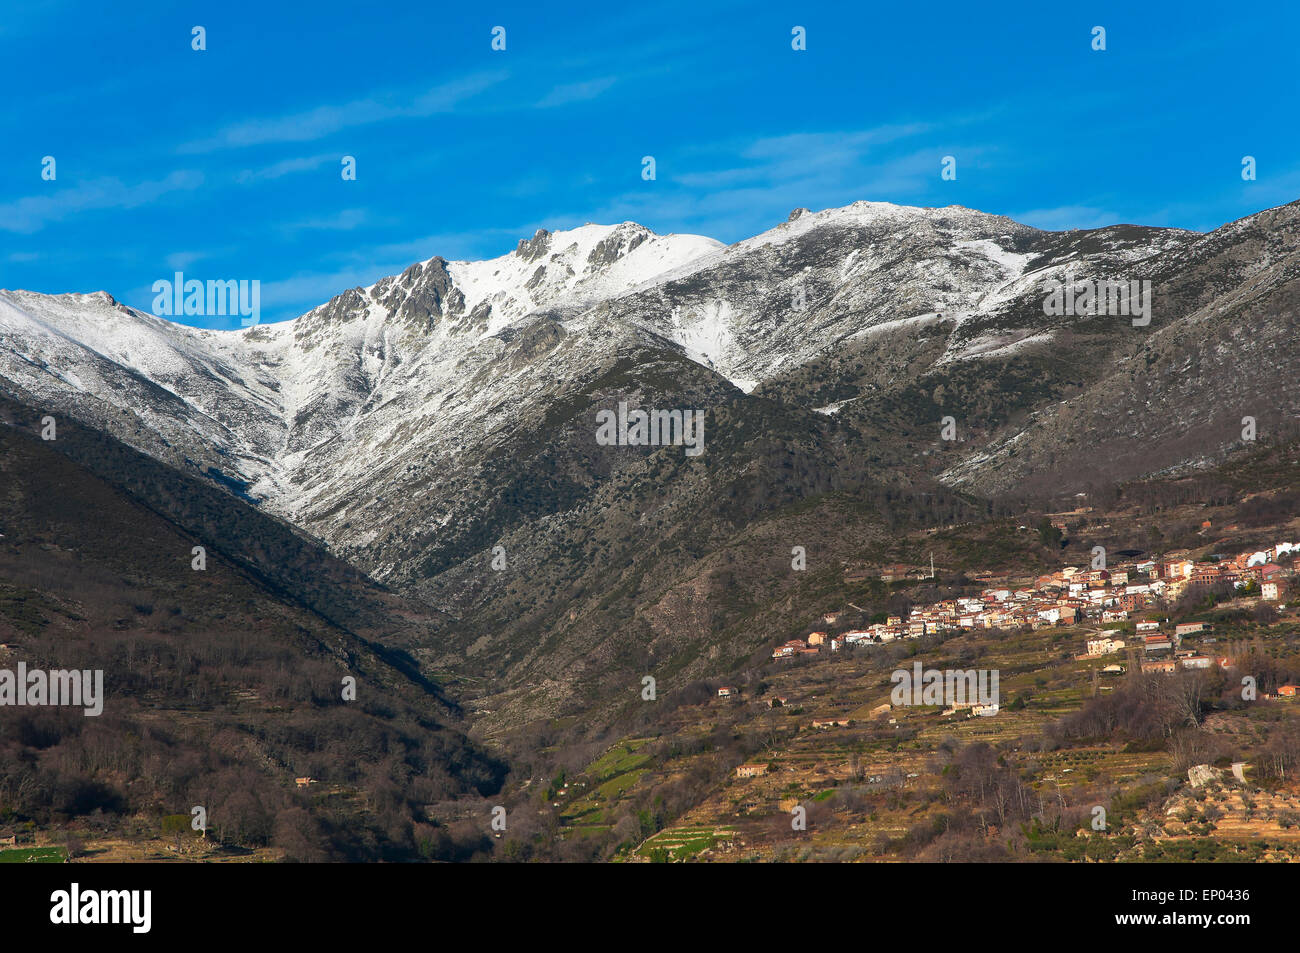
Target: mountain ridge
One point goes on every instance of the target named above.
(420, 423)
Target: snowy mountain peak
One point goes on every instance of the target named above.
(562, 270)
(419, 384)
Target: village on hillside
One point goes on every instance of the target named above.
(1077, 596)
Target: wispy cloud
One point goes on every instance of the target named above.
(345, 220)
(736, 198)
(797, 156)
(285, 167)
(179, 261)
(323, 121)
(34, 212)
(576, 92)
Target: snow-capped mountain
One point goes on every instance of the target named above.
(262, 405)
(417, 423)
(766, 304)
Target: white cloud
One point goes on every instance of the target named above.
(34, 212)
(576, 92)
(325, 120)
(342, 221)
(286, 167)
(179, 261)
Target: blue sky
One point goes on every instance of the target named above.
(226, 163)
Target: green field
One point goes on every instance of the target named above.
(33, 855)
(682, 843)
(606, 780)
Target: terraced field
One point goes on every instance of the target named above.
(678, 844)
(603, 782)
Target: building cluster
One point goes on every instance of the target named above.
(1161, 650)
(1071, 596)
